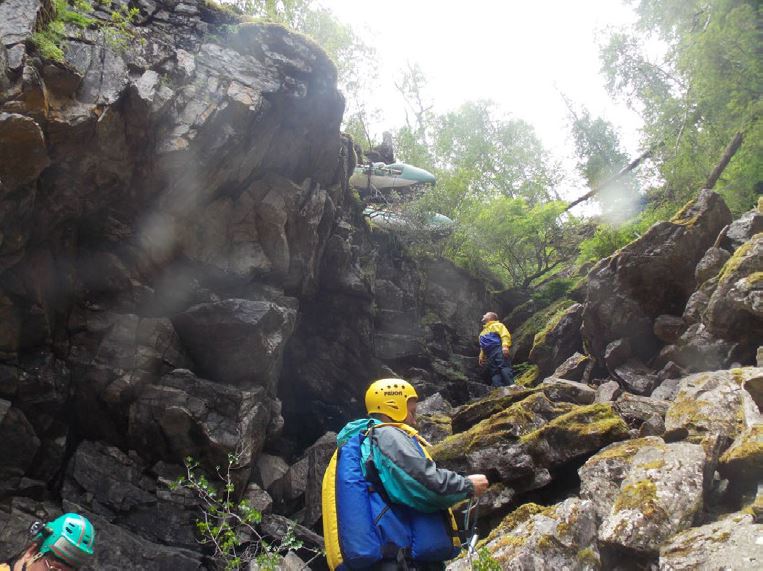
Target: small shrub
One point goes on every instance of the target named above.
(228, 526)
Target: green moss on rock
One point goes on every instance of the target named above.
(515, 518)
(587, 557)
(526, 333)
(733, 263)
(552, 322)
(744, 460)
(529, 377)
(624, 450)
(470, 414)
(636, 496)
(507, 425)
(582, 421)
(685, 216)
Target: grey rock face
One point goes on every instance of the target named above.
(710, 264)
(318, 457)
(271, 469)
(659, 497)
(186, 416)
(730, 543)
(567, 391)
(435, 404)
(573, 368)
(667, 390)
(608, 391)
(742, 463)
(237, 341)
(668, 328)
(121, 489)
(651, 276)
(637, 409)
(22, 144)
(560, 342)
(743, 229)
(20, 444)
(617, 353)
(636, 377)
(17, 18)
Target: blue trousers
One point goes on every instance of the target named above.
(499, 368)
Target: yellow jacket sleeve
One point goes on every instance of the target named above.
(504, 333)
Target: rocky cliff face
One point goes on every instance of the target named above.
(184, 272)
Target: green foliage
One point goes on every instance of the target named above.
(521, 240)
(553, 290)
(120, 32)
(228, 525)
(495, 180)
(606, 241)
(703, 90)
(48, 41)
(600, 157)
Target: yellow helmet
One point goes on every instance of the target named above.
(390, 397)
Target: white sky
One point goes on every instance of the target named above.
(519, 54)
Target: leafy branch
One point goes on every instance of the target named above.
(228, 525)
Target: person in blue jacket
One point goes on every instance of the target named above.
(397, 456)
(495, 346)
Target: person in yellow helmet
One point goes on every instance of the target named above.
(495, 346)
(407, 524)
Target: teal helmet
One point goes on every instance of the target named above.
(69, 538)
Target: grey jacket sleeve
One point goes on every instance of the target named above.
(412, 479)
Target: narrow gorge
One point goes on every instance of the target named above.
(186, 272)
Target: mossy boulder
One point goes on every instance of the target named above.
(732, 542)
(573, 368)
(469, 415)
(567, 391)
(735, 310)
(603, 473)
(562, 536)
(742, 463)
(523, 338)
(528, 377)
(434, 427)
(660, 496)
(582, 430)
(506, 427)
(708, 404)
(636, 410)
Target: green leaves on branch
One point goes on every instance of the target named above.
(521, 241)
(228, 525)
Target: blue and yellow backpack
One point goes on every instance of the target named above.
(361, 525)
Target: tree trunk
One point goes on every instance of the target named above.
(625, 170)
(731, 149)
